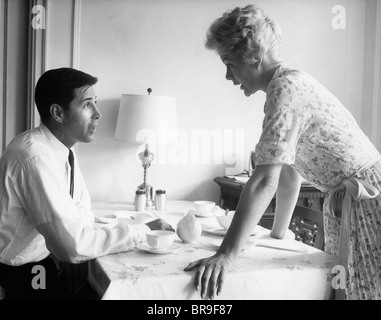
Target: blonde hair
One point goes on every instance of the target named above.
(248, 31)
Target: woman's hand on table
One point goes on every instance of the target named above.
(159, 224)
(211, 274)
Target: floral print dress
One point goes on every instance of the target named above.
(307, 127)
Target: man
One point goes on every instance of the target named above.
(45, 208)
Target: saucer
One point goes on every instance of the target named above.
(136, 217)
(145, 247)
(215, 231)
(258, 231)
(204, 215)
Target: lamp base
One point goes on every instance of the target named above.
(149, 193)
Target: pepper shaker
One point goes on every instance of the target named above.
(160, 199)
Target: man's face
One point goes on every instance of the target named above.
(81, 119)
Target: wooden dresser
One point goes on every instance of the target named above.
(231, 190)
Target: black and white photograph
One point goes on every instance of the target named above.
(190, 156)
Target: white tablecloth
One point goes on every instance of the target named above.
(302, 272)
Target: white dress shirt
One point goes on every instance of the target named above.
(38, 215)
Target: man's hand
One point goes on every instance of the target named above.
(159, 224)
(211, 274)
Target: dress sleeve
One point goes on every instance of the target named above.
(286, 118)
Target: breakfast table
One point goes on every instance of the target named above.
(266, 269)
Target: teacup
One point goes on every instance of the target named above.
(160, 239)
(225, 220)
(204, 207)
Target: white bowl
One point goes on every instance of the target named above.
(204, 207)
(225, 220)
(160, 239)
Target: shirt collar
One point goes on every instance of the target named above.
(61, 151)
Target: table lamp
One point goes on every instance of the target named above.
(145, 116)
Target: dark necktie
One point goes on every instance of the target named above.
(71, 163)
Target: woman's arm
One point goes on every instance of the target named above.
(255, 198)
(286, 197)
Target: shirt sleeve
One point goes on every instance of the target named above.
(43, 193)
(286, 118)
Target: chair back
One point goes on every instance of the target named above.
(307, 224)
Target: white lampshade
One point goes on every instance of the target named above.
(144, 112)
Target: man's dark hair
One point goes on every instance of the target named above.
(57, 86)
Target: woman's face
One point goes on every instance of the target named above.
(242, 73)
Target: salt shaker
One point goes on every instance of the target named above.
(140, 200)
(160, 199)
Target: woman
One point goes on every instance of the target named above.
(306, 133)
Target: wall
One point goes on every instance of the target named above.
(371, 98)
(132, 45)
(13, 69)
